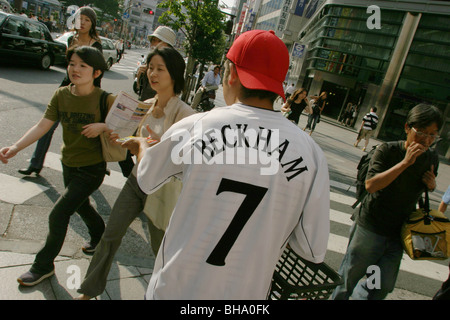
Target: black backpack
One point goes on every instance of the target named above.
(363, 167)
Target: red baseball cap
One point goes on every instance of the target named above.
(261, 60)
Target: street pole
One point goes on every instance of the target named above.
(123, 21)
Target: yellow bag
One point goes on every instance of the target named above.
(426, 234)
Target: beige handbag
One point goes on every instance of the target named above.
(111, 152)
(160, 204)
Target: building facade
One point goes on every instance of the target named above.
(41, 8)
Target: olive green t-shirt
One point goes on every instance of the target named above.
(74, 112)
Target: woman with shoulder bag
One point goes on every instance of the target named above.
(318, 107)
(85, 34)
(166, 76)
(77, 107)
(295, 105)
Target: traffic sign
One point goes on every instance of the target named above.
(298, 50)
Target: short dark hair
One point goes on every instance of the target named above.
(424, 115)
(174, 64)
(92, 56)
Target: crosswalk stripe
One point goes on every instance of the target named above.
(343, 186)
(336, 197)
(17, 191)
(116, 179)
(340, 217)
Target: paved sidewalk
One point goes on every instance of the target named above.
(127, 280)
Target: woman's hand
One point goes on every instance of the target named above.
(152, 136)
(7, 153)
(134, 144)
(93, 130)
(113, 137)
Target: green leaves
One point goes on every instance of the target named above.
(201, 22)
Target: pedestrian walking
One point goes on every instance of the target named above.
(398, 174)
(368, 125)
(317, 108)
(228, 229)
(294, 106)
(85, 35)
(77, 107)
(163, 36)
(166, 75)
(120, 48)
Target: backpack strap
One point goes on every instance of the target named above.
(104, 105)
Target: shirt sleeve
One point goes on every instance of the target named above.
(446, 197)
(378, 163)
(51, 113)
(310, 236)
(162, 161)
(205, 79)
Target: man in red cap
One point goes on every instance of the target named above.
(252, 183)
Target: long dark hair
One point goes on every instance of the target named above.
(90, 13)
(296, 94)
(174, 64)
(93, 57)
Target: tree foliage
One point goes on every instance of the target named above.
(203, 25)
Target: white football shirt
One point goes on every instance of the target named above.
(252, 182)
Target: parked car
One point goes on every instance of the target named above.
(28, 41)
(108, 48)
(109, 51)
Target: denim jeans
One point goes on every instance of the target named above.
(312, 121)
(37, 160)
(80, 183)
(366, 249)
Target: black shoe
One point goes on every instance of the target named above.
(29, 171)
(89, 247)
(30, 279)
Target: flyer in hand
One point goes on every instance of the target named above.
(125, 114)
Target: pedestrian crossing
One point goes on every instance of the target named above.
(128, 63)
(337, 243)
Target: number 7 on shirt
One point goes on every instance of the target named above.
(254, 195)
